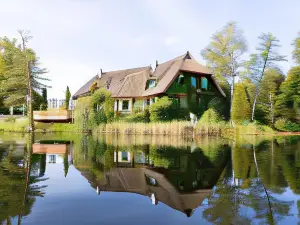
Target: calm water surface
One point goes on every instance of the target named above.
(69, 179)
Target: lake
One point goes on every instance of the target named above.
(81, 179)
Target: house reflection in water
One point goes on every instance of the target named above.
(182, 185)
(53, 154)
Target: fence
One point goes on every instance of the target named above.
(55, 103)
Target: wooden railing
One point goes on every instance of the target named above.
(52, 115)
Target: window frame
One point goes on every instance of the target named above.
(123, 101)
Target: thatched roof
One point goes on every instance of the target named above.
(132, 82)
(85, 89)
(133, 85)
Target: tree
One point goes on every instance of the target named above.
(224, 54)
(22, 74)
(288, 101)
(266, 58)
(240, 105)
(296, 52)
(68, 96)
(44, 106)
(269, 91)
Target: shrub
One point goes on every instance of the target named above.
(161, 110)
(286, 125)
(136, 118)
(210, 116)
(241, 110)
(220, 105)
(103, 106)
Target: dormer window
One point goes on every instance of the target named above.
(151, 84)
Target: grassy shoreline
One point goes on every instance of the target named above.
(174, 128)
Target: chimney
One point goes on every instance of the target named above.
(101, 73)
(156, 64)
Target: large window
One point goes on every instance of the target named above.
(125, 105)
(194, 82)
(204, 83)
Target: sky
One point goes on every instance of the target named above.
(74, 39)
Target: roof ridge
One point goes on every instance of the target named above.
(135, 73)
(174, 59)
(126, 69)
(172, 63)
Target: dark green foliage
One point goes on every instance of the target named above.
(37, 102)
(221, 106)
(166, 109)
(286, 125)
(68, 97)
(100, 117)
(269, 89)
(162, 110)
(44, 106)
(288, 101)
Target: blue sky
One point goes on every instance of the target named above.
(75, 38)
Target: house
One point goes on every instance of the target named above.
(183, 79)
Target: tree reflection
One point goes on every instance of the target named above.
(250, 186)
(18, 187)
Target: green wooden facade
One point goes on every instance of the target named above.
(192, 92)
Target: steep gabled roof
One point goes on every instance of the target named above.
(85, 89)
(167, 72)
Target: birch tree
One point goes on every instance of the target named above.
(266, 57)
(224, 54)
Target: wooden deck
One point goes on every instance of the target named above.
(49, 148)
(53, 116)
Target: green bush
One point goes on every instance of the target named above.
(135, 118)
(220, 105)
(102, 100)
(210, 116)
(286, 125)
(162, 110)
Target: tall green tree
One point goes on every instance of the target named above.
(266, 58)
(288, 101)
(22, 74)
(224, 54)
(240, 106)
(68, 97)
(269, 86)
(44, 106)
